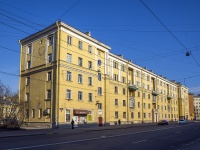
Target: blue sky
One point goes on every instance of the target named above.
(127, 26)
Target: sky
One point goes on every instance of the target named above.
(154, 34)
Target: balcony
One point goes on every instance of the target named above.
(155, 93)
(169, 97)
(133, 87)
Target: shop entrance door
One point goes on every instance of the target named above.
(100, 121)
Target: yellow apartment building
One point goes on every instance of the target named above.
(66, 74)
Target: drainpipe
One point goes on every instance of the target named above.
(57, 74)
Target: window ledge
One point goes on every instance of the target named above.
(48, 99)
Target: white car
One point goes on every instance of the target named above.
(182, 121)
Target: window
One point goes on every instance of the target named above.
(69, 76)
(28, 64)
(138, 104)
(122, 68)
(99, 106)
(68, 94)
(124, 114)
(144, 105)
(80, 95)
(27, 80)
(90, 81)
(115, 64)
(89, 64)
(115, 77)
(90, 97)
(116, 114)
(99, 62)
(29, 49)
(80, 78)
(132, 114)
(124, 102)
(138, 114)
(124, 91)
(149, 96)
(49, 76)
(68, 115)
(90, 49)
(49, 58)
(33, 113)
(144, 115)
(99, 91)
(149, 115)
(116, 89)
(48, 94)
(80, 44)
(116, 102)
(69, 58)
(149, 106)
(123, 79)
(131, 103)
(50, 40)
(69, 40)
(80, 61)
(138, 94)
(27, 113)
(27, 97)
(40, 113)
(99, 76)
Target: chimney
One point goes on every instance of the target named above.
(88, 33)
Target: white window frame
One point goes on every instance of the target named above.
(69, 76)
(90, 49)
(68, 94)
(99, 90)
(80, 45)
(99, 76)
(69, 58)
(28, 64)
(69, 40)
(90, 97)
(80, 95)
(48, 94)
(50, 59)
(29, 49)
(90, 81)
(80, 78)
(80, 61)
(49, 76)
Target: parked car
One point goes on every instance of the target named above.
(163, 122)
(182, 121)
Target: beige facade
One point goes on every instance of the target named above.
(66, 74)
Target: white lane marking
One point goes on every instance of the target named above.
(98, 138)
(139, 141)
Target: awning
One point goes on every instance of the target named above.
(80, 112)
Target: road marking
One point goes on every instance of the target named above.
(139, 141)
(98, 138)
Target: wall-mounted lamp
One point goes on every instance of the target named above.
(61, 109)
(97, 102)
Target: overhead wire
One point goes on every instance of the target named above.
(168, 30)
(31, 27)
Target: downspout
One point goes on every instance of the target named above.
(57, 74)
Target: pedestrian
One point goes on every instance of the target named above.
(72, 123)
(119, 122)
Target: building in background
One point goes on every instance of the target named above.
(66, 74)
(191, 106)
(197, 107)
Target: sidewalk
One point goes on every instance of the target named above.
(28, 131)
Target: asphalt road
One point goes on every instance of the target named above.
(171, 137)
